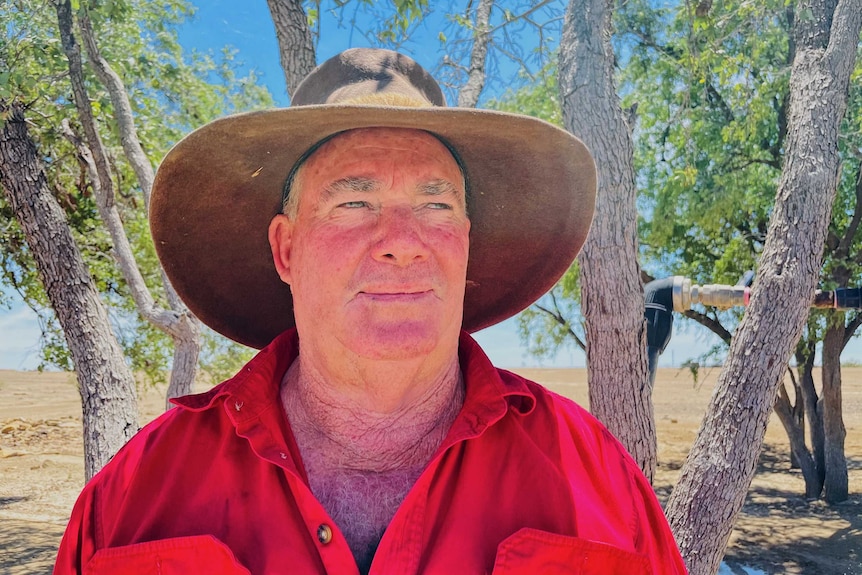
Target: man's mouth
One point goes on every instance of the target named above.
(396, 294)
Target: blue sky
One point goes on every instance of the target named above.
(247, 27)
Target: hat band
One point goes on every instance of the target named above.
(386, 99)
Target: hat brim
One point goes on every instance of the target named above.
(533, 195)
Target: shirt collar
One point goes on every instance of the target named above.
(256, 386)
(490, 392)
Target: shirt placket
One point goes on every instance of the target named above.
(401, 546)
(335, 554)
(331, 545)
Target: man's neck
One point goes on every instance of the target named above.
(383, 425)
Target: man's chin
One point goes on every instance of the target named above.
(401, 341)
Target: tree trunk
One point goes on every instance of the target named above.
(718, 471)
(468, 97)
(612, 294)
(294, 41)
(799, 451)
(795, 417)
(812, 412)
(835, 480)
(187, 349)
(104, 380)
(798, 415)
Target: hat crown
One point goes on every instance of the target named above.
(369, 76)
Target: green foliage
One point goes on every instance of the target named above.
(540, 98)
(220, 358)
(171, 92)
(711, 95)
(554, 322)
(709, 92)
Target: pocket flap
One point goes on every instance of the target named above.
(535, 551)
(193, 554)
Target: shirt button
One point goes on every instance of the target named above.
(324, 533)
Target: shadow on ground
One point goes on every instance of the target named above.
(28, 547)
(761, 544)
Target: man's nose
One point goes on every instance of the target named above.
(399, 237)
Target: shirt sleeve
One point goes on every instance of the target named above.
(615, 500)
(79, 542)
(653, 537)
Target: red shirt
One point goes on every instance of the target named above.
(525, 482)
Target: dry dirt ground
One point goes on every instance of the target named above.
(779, 531)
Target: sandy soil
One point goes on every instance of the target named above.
(779, 531)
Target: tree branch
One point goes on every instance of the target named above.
(296, 49)
(709, 323)
(468, 97)
(522, 16)
(558, 317)
(714, 96)
(850, 233)
(94, 156)
(844, 36)
(851, 328)
(122, 109)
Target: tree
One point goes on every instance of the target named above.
(177, 322)
(712, 96)
(88, 176)
(105, 382)
(469, 94)
(295, 44)
(711, 490)
(697, 132)
(611, 291)
(167, 93)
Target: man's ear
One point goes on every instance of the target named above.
(280, 236)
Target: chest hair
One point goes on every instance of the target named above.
(362, 504)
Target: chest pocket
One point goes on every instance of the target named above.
(533, 551)
(194, 554)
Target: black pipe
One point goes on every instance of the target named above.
(658, 311)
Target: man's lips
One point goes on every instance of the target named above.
(395, 295)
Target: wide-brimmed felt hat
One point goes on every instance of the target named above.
(532, 194)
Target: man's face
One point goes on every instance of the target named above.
(376, 255)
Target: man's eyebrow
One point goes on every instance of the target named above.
(438, 188)
(349, 184)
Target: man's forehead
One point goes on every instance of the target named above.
(352, 153)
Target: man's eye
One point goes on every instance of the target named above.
(356, 204)
(439, 206)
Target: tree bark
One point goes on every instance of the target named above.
(612, 294)
(296, 49)
(468, 97)
(718, 471)
(177, 322)
(105, 382)
(835, 484)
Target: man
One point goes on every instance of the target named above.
(371, 434)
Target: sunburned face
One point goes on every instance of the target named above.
(376, 255)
